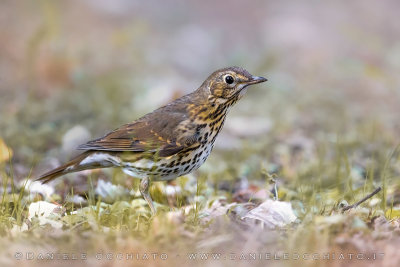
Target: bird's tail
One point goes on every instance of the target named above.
(72, 166)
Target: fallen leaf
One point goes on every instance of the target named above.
(35, 187)
(47, 213)
(393, 213)
(272, 214)
(218, 208)
(5, 152)
(110, 192)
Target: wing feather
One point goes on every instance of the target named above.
(157, 132)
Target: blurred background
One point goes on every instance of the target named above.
(72, 70)
(325, 126)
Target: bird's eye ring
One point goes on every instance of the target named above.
(229, 79)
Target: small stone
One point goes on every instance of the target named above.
(74, 137)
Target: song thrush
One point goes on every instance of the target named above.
(169, 142)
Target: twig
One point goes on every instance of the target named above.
(376, 191)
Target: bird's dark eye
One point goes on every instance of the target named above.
(229, 79)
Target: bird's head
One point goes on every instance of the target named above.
(230, 83)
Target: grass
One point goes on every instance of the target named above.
(318, 186)
(332, 107)
(315, 170)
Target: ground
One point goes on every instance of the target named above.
(324, 131)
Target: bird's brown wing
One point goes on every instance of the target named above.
(155, 133)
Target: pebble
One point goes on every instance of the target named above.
(74, 137)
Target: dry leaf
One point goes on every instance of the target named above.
(272, 214)
(5, 152)
(47, 213)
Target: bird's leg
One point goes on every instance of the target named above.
(144, 190)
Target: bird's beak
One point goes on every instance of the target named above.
(256, 79)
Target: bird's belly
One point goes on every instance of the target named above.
(170, 167)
